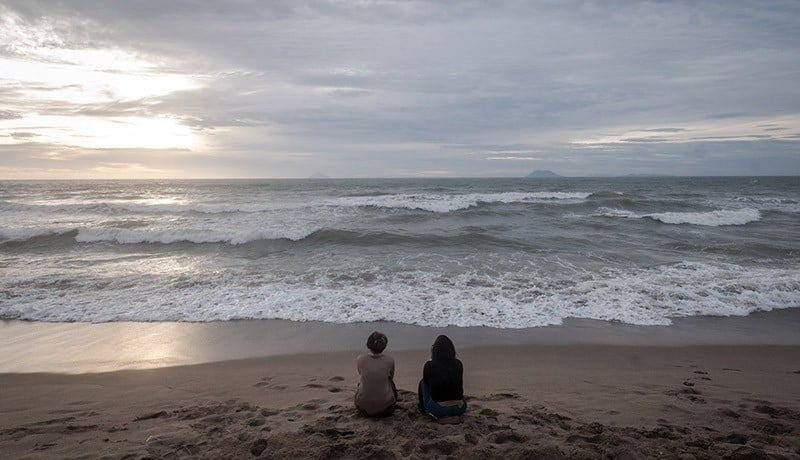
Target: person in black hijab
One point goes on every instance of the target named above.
(441, 390)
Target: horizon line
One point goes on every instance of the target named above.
(632, 176)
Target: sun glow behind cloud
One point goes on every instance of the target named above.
(95, 78)
(60, 85)
(98, 133)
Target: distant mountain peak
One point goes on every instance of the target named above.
(543, 173)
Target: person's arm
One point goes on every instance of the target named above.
(391, 382)
(460, 379)
(426, 373)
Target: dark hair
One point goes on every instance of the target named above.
(443, 349)
(377, 342)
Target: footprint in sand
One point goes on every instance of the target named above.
(734, 438)
(443, 447)
(776, 412)
(499, 397)
(151, 416)
(508, 436)
(245, 407)
(256, 421)
(691, 394)
(311, 405)
(78, 403)
(266, 382)
(729, 413)
(55, 420)
(700, 443)
(258, 447)
(45, 446)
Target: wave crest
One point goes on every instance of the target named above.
(715, 218)
(443, 203)
(132, 236)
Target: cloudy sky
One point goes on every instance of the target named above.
(203, 88)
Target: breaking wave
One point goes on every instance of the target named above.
(650, 296)
(716, 218)
(443, 203)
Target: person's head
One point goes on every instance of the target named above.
(443, 349)
(376, 342)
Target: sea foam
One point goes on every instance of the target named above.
(443, 203)
(715, 218)
(651, 296)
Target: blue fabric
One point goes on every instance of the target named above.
(428, 406)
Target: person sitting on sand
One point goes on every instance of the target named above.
(441, 390)
(376, 394)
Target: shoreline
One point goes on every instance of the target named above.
(27, 346)
(525, 401)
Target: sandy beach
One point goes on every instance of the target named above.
(525, 401)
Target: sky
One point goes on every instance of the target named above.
(100, 89)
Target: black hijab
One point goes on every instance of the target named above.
(443, 349)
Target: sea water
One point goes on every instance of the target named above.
(505, 253)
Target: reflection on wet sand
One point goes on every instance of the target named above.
(83, 347)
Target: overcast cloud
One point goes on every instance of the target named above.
(384, 88)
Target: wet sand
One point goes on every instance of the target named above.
(82, 347)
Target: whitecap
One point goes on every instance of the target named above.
(198, 235)
(443, 203)
(715, 218)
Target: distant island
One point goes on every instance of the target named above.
(543, 173)
(319, 175)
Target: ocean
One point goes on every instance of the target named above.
(503, 253)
